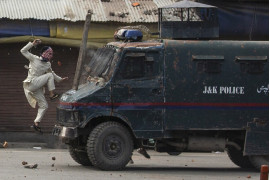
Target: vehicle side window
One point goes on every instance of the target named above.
(137, 65)
(133, 67)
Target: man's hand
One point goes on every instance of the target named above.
(65, 78)
(36, 42)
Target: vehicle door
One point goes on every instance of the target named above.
(137, 91)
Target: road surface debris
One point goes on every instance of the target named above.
(31, 166)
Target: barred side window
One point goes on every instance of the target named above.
(137, 65)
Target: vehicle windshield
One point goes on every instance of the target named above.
(100, 67)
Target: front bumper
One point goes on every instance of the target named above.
(65, 132)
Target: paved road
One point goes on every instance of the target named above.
(187, 166)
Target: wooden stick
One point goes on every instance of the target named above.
(82, 50)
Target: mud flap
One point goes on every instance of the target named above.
(257, 138)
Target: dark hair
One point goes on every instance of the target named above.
(44, 48)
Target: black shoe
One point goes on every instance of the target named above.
(144, 153)
(36, 128)
(55, 96)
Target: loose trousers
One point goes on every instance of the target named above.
(36, 88)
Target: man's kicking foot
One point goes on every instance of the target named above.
(53, 95)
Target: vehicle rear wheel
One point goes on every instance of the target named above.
(80, 156)
(110, 146)
(258, 161)
(237, 157)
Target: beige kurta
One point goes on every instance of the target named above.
(38, 72)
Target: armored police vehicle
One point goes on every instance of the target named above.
(187, 92)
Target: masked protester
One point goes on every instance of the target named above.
(39, 74)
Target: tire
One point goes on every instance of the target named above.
(237, 158)
(174, 153)
(79, 156)
(110, 146)
(258, 161)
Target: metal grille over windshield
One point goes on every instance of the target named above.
(100, 66)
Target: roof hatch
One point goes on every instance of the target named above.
(188, 20)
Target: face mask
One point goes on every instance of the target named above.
(47, 55)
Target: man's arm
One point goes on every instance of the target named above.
(56, 77)
(25, 50)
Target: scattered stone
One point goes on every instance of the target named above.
(31, 166)
(155, 11)
(53, 165)
(59, 63)
(147, 12)
(135, 4)
(24, 163)
(249, 176)
(53, 158)
(122, 14)
(112, 14)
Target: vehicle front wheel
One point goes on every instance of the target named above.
(110, 146)
(80, 156)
